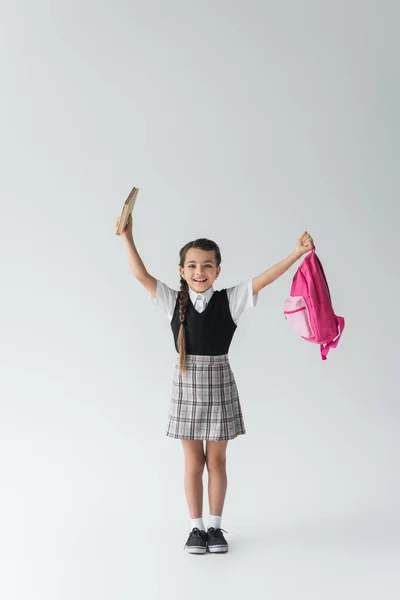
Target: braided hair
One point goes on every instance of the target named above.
(183, 294)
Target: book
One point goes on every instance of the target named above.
(127, 210)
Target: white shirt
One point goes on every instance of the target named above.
(240, 297)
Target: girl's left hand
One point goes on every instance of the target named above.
(305, 244)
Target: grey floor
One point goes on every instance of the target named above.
(118, 555)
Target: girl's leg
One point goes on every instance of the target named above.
(194, 467)
(217, 478)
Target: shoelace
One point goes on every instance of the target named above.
(198, 533)
(215, 532)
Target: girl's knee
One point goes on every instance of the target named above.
(216, 464)
(195, 465)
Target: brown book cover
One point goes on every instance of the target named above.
(127, 209)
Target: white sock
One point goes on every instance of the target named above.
(215, 521)
(198, 523)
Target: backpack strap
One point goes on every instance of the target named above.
(333, 344)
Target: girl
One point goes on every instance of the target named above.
(205, 402)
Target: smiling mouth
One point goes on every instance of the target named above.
(200, 280)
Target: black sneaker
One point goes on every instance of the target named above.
(216, 541)
(196, 542)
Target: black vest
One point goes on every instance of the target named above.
(209, 332)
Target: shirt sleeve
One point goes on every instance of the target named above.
(241, 297)
(165, 298)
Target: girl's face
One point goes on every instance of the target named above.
(200, 265)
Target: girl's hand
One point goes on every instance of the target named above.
(127, 232)
(305, 244)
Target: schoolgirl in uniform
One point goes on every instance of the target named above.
(205, 404)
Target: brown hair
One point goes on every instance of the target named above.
(183, 295)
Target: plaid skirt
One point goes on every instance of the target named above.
(205, 401)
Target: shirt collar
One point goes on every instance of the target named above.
(206, 295)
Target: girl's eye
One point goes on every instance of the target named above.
(205, 265)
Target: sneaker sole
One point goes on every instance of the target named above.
(217, 549)
(196, 550)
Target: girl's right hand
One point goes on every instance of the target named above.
(127, 232)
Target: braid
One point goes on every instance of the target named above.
(183, 303)
(183, 295)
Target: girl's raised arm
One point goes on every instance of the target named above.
(305, 243)
(135, 262)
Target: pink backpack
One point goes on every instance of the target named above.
(309, 309)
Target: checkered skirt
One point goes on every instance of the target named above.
(205, 401)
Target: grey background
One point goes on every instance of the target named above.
(245, 122)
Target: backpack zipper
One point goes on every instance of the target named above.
(290, 312)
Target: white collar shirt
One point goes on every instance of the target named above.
(240, 298)
(200, 300)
